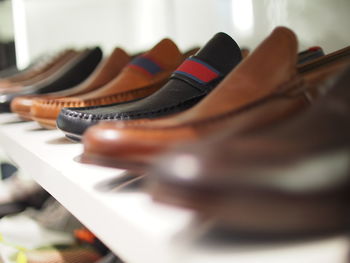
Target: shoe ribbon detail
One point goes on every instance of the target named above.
(198, 70)
(146, 65)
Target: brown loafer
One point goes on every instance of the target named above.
(58, 64)
(39, 71)
(104, 73)
(266, 84)
(132, 83)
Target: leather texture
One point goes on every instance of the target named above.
(297, 172)
(249, 87)
(191, 82)
(104, 73)
(39, 73)
(7, 92)
(35, 107)
(72, 73)
(131, 84)
(37, 70)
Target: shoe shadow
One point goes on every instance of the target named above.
(218, 234)
(35, 129)
(13, 122)
(59, 141)
(126, 182)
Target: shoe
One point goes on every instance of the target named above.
(72, 73)
(189, 83)
(11, 208)
(291, 178)
(144, 75)
(46, 116)
(38, 71)
(18, 195)
(104, 73)
(310, 54)
(267, 78)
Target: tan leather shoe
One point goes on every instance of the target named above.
(39, 72)
(137, 80)
(268, 78)
(104, 73)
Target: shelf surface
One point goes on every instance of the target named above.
(128, 221)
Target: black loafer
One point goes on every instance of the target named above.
(69, 76)
(192, 81)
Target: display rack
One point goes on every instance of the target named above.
(125, 218)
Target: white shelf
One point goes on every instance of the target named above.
(127, 220)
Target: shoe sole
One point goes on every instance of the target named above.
(255, 213)
(49, 124)
(138, 166)
(24, 115)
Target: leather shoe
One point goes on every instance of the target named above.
(72, 73)
(38, 71)
(141, 77)
(104, 73)
(248, 88)
(291, 178)
(189, 83)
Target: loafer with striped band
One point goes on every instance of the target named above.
(263, 89)
(141, 77)
(189, 83)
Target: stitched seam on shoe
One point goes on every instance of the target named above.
(125, 116)
(101, 99)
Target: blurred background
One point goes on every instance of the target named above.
(43, 26)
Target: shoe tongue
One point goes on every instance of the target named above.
(164, 56)
(221, 52)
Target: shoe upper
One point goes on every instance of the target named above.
(193, 80)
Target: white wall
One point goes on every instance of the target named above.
(50, 25)
(6, 29)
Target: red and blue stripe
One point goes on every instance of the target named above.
(198, 70)
(146, 65)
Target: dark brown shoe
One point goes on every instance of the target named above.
(291, 178)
